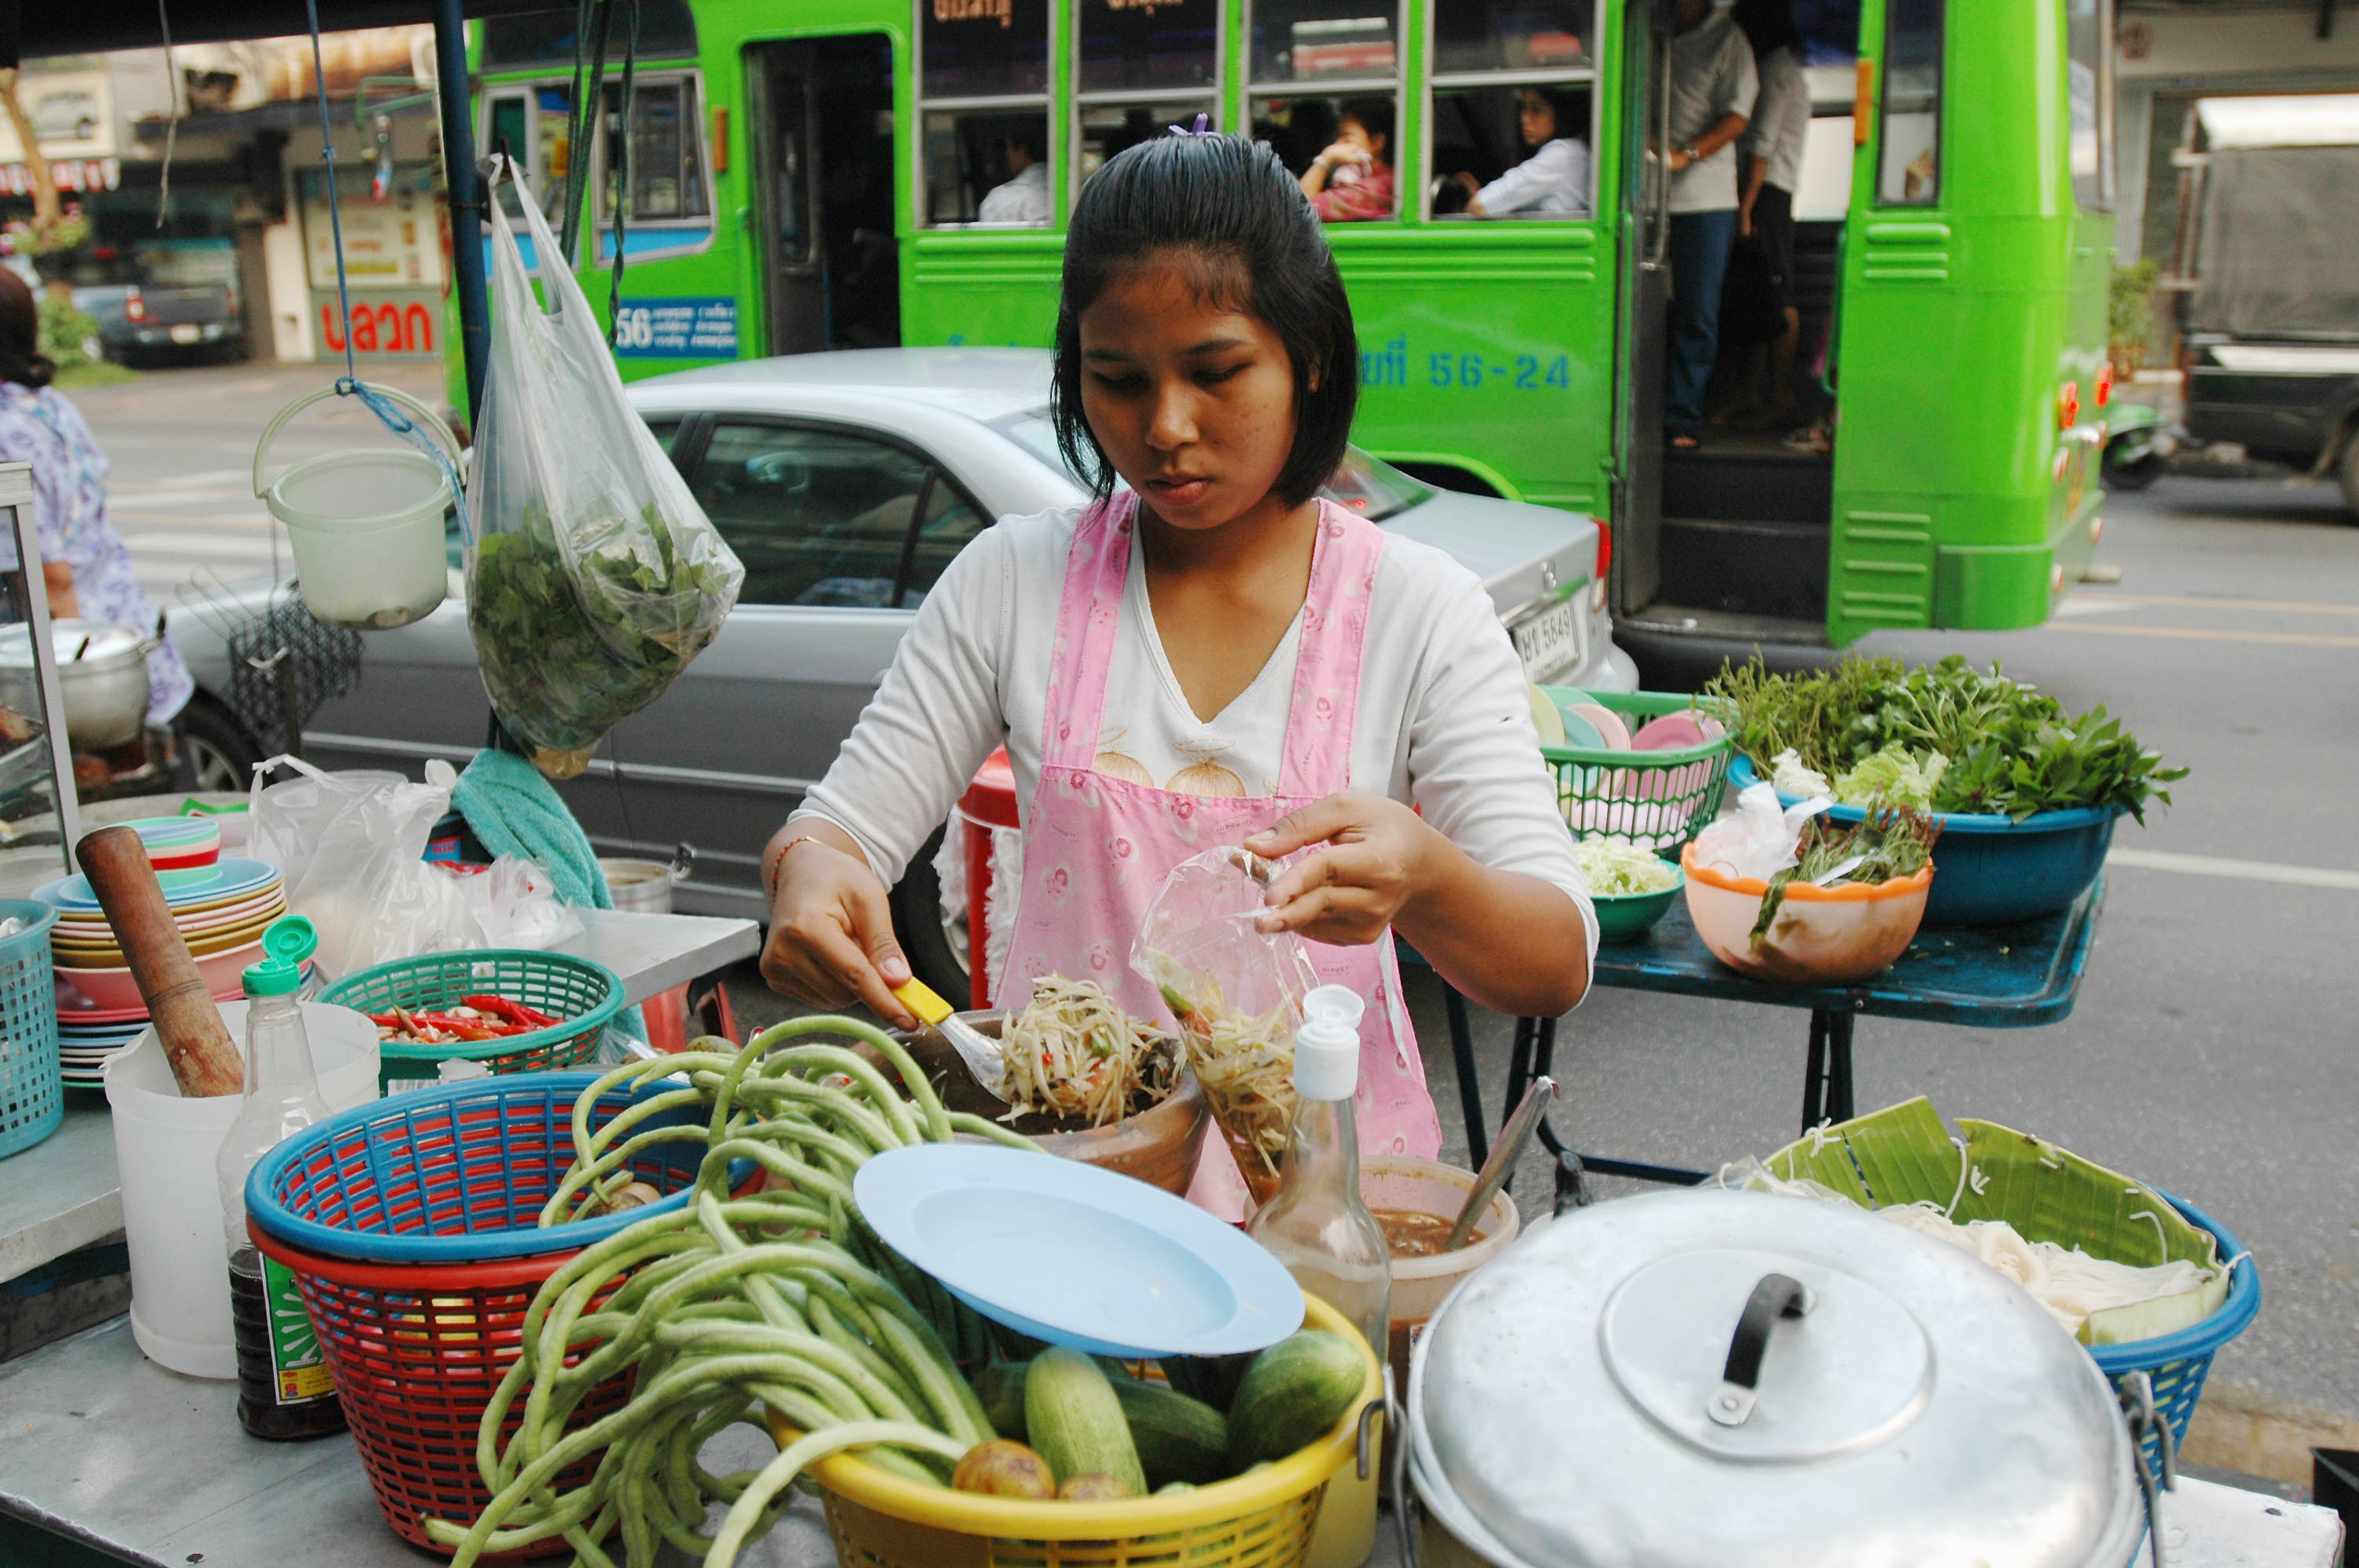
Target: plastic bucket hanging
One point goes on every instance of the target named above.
(367, 525)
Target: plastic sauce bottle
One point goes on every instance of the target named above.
(1316, 1223)
(284, 1390)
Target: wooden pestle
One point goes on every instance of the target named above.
(204, 1060)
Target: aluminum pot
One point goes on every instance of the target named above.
(102, 676)
(644, 887)
(1709, 1378)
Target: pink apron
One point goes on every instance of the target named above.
(1097, 847)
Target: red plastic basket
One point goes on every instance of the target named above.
(416, 1352)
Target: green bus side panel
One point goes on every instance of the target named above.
(989, 290)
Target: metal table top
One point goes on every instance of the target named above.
(1991, 977)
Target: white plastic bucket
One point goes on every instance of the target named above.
(1426, 1186)
(367, 525)
(164, 1152)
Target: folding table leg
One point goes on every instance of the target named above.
(1839, 1099)
(1470, 1085)
(1814, 1072)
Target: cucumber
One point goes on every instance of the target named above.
(1075, 1422)
(1000, 1385)
(1212, 1378)
(1179, 1438)
(1291, 1394)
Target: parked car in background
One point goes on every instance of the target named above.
(2269, 297)
(846, 482)
(148, 310)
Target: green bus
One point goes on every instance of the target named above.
(815, 176)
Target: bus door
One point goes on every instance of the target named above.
(1637, 569)
(820, 114)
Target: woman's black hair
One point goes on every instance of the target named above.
(1571, 119)
(21, 360)
(1227, 204)
(1376, 117)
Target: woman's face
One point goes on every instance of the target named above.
(1351, 133)
(1192, 400)
(1538, 120)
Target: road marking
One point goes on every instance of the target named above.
(2211, 634)
(2084, 604)
(258, 521)
(186, 497)
(212, 476)
(2197, 601)
(2246, 871)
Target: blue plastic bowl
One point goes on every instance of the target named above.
(2178, 1363)
(1994, 870)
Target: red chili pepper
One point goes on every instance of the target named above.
(514, 1011)
(468, 1029)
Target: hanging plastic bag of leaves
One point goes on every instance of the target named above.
(593, 576)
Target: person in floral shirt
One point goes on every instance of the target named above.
(84, 565)
(1351, 181)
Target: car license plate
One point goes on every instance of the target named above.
(187, 334)
(1548, 640)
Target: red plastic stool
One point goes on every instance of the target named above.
(989, 802)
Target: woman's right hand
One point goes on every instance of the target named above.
(831, 940)
(1340, 155)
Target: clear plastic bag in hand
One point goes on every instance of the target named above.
(592, 575)
(1237, 995)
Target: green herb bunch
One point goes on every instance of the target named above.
(2011, 748)
(569, 650)
(1888, 844)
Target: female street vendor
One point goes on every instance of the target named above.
(1212, 654)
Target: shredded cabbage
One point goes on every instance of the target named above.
(1791, 777)
(1617, 869)
(1892, 777)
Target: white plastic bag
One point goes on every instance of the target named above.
(358, 839)
(592, 575)
(515, 903)
(1760, 840)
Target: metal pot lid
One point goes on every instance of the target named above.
(1597, 1398)
(108, 647)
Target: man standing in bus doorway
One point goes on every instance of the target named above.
(1713, 88)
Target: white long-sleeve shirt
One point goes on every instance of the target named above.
(1443, 721)
(1023, 199)
(1551, 183)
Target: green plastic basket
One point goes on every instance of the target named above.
(1658, 800)
(585, 995)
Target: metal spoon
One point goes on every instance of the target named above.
(1512, 1138)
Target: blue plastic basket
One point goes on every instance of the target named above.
(458, 1174)
(1993, 870)
(2178, 1363)
(32, 1096)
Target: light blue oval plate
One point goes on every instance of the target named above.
(227, 877)
(1077, 1256)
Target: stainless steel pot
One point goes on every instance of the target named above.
(644, 887)
(1713, 1378)
(102, 676)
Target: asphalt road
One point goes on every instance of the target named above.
(2213, 1047)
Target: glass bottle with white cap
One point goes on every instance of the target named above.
(1316, 1223)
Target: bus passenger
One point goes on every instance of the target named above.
(1352, 180)
(1024, 198)
(1713, 89)
(1551, 183)
(1770, 168)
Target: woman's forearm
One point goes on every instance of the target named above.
(1512, 943)
(57, 583)
(1314, 178)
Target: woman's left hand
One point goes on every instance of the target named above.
(1375, 856)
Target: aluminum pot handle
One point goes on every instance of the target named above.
(1774, 1296)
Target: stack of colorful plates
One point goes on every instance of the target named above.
(222, 906)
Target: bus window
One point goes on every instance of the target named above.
(985, 165)
(2088, 25)
(1107, 129)
(1511, 151)
(1909, 173)
(532, 124)
(1153, 45)
(984, 49)
(667, 154)
(1140, 65)
(1326, 93)
(1510, 34)
(983, 128)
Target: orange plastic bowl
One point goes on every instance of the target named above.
(1822, 935)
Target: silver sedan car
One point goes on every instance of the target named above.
(846, 482)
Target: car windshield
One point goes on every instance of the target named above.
(1369, 486)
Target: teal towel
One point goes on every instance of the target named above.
(515, 811)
